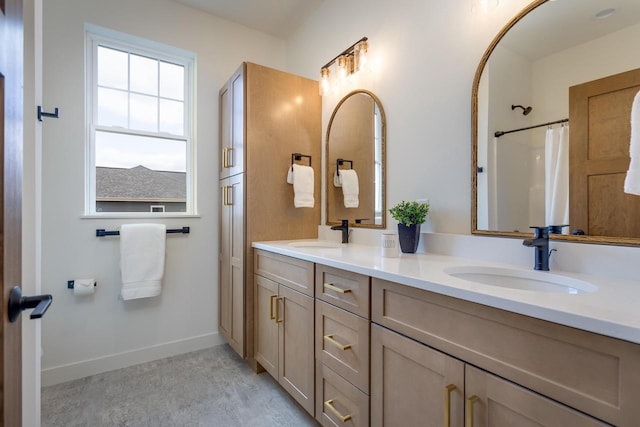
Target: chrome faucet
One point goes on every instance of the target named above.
(540, 242)
(345, 230)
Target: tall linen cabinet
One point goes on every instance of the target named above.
(266, 115)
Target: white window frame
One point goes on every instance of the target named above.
(95, 36)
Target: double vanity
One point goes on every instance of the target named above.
(424, 339)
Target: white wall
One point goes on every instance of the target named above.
(427, 55)
(86, 335)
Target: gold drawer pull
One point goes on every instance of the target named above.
(336, 289)
(277, 318)
(329, 405)
(227, 195)
(447, 404)
(469, 410)
(271, 315)
(336, 343)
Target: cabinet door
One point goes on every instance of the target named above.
(412, 384)
(296, 361)
(232, 118)
(494, 402)
(231, 272)
(266, 342)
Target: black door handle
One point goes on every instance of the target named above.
(18, 303)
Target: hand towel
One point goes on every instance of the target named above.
(142, 253)
(350, 188)
(303, 186)
(337, 179)
(632, 180)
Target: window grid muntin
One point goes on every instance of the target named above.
(114, 40)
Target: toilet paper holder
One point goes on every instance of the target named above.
(71, 284)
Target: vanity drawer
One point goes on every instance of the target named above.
(334, 392)
(589, 372)
(345, 289)
(342, 343)
(291, 272)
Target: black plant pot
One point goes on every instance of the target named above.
(409, 236)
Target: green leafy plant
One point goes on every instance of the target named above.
(408, 213)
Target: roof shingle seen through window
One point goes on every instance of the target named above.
(140, 183)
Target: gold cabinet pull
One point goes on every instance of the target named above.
(447, 404)
(329, 405)
(336, 343)
(229, 157)
(336, 289)
(225, 157)
(277, 318)
(227, 193)
(271, 315)
(469, 410)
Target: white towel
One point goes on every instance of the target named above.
(302, 179)
(632, 180)
(350, 188)
(142, 252)
(337, 179)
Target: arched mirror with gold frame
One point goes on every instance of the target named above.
(356, 138)
(551, 104)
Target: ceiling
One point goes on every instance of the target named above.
(279, 18)
(559, 25)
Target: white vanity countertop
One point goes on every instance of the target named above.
(612, 310)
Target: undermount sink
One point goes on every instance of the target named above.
(529, 280)
(315, 244)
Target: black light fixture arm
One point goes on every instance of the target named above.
(344, 52)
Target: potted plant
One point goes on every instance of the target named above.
(409, 216)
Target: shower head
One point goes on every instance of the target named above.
(525, 110)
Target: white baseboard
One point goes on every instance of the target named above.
(85, 368)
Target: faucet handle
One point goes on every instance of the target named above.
(345, 222)
(540, 231)
(557, 229)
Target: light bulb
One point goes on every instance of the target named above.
(361, 55)
(484, 5)
(324, 82)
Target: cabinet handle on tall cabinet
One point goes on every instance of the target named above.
(227, 198)
(447, 404)
(271, 315)
(277, 319)
(469, 410)
(226, 163)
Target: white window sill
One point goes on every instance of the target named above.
(138, 215)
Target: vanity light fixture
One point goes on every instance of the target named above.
(348, 62)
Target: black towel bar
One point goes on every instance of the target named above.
(340, 162)
(299, 156)
(101, 232)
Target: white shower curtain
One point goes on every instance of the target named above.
(557, 176)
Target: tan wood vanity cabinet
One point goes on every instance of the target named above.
(284, 323)
(434, 357)
(257, 137)
(342, 347)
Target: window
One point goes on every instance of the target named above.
(139, 114)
